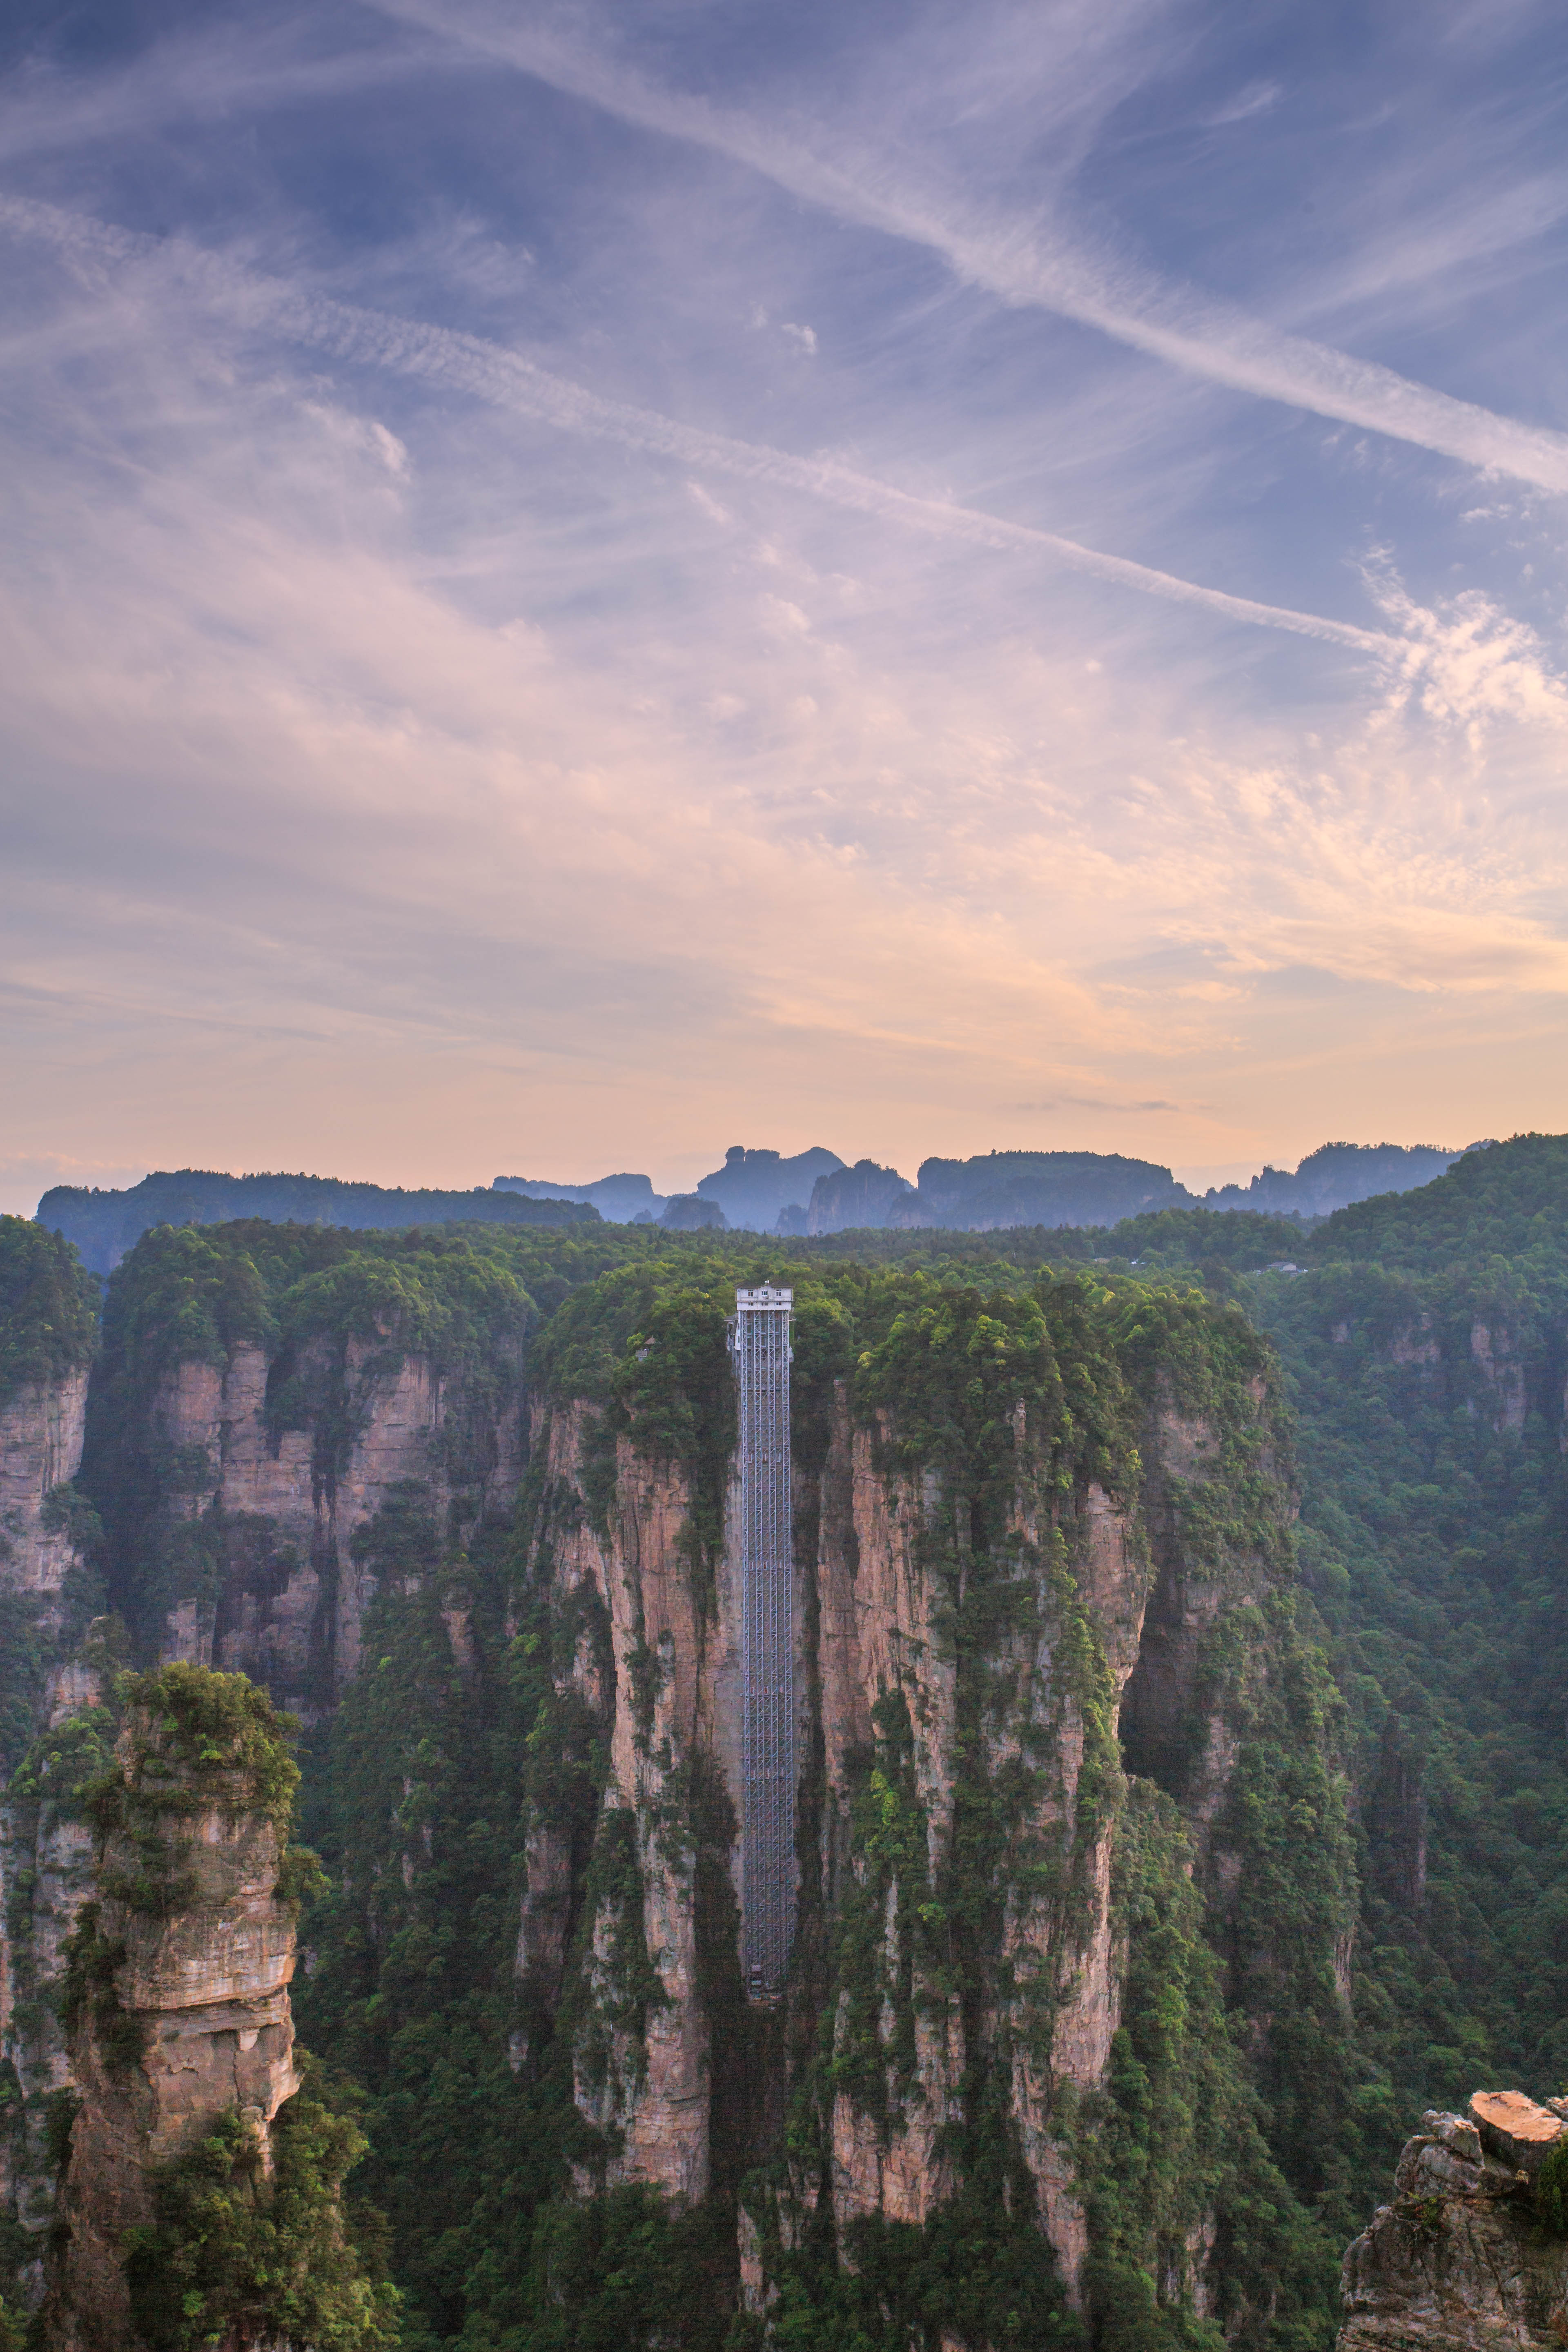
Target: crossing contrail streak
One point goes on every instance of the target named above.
(1006, 257)
(505, 380)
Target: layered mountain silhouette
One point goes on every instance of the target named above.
(755, 1191)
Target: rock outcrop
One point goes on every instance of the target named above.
(267, 1401)
(964, 1639)
(1475, 1358)
(176, 1980)
(1464, 2260)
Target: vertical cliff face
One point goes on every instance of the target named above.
(41, 1428)
(46, 1878)
(265, 1394)
(1475, 1344)
(181, 2044)
(48, 1331)
(280, 1506)
(47, 1328)
(1008, 1515)
(43, 1846)
(642, 2046)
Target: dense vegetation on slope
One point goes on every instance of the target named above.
(1425, 1349)
(1509, 1200)
(48, 1308)
(320, 1303)
(1429, 1389)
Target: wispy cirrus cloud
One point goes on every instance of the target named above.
(1021, 260)
(1083, 1102)
(504, 378)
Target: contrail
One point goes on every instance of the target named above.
(503, 378)
(1188, 329)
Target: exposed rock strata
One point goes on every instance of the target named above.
(46, 1878)
(1495, 1352)
(643, 2049)
(282, 1505)
(874, 1622)
(1459, 2262)
(1481, 1363)
(45, 1851)
(181, 2013)
(41, 1429)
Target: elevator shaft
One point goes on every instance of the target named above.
(759, 1342)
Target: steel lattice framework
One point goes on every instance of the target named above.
(759, 1341)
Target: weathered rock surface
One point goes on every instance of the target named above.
(41, 1429)
(874, 1613)
(45, 1851)
(1460, 2260)
(1515, 2129)
(642, 2052)
(283, 1504)
(46, 1876)
(183, 2013)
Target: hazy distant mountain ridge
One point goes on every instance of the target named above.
(756, 1191)
(752, 1190)
(1334, 1177)
(620, 1199)
(755, 1187)
(104, 1225)
(851, 1199)
(998, 1190)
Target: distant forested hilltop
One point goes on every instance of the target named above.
(104, 1225)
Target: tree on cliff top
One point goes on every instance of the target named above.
(48, 1307)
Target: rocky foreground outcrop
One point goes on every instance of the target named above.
(198, 2200)
(1470, 2256)
(176, 1979)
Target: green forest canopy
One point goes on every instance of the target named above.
(48, 1307)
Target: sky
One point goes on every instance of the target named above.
(580, 584)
